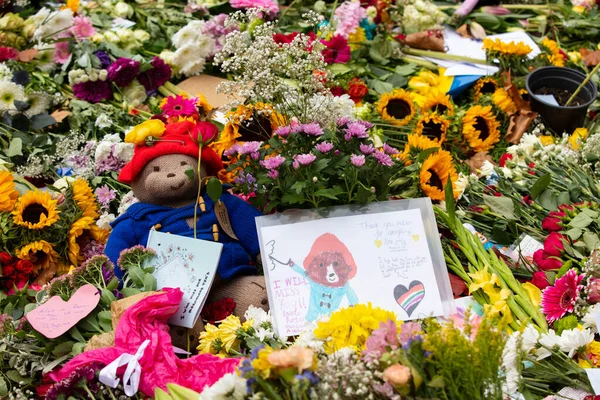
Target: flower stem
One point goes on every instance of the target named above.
(585, 81)
(199, 190)
(444, 56)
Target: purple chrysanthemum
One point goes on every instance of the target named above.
(283, 131)
(324, 147)
(313, 129)
(155, 77)
(367, 149)
(383, 159)
(92, 92)
(273, 162)
(123, 71)
(303, 159)
(273, 174)
(357, 160)
(390, 150)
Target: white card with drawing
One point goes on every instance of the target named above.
(387, 253)
(188, 264)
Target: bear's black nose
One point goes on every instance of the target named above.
(170, 175)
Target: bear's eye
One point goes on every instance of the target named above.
(156, 168)
(184, 163)
(335, 263)
(321, 265)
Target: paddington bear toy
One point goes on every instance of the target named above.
(160, 176)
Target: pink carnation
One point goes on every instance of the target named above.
(271, 5)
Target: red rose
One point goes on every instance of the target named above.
(5, 258)
(8, 53)
(8, 271)
(205, 132)
(337, 91)
(545, 262)
(553, 245)
(218, 310)
(180, 128)
(24, 266)
(505, 157)
(552, 221)
(357, 90)
(527, 200)
(540, 280)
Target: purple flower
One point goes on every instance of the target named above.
(309, 376)
(232, 150)
(409, 329)
(313, 129)
(305, 159)
(155, 77)
(296, 127)
(390, 150)
(367, 149)
(123, 71)
(105, 195)
(356, 130)
(250, 147)
(273, 174)
(342, 121)
(381, 338)
(357, 160)
(104, 59)
(92, 92)
(273, 162)
(383, 159)
(283, 131)
(366, 124)
(324, 147)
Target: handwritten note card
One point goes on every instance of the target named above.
(185, 263)
(56, 316)
(315, 267)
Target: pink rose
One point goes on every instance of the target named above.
(553, 245)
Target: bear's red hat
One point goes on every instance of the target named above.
(177, 139)
(330, 242)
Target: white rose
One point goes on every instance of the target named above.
(111, 37)
(141, 35)
(123, 10)
(167, 56)
(63, 183)
(104, 221)
(125, 35)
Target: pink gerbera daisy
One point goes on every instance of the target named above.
(560, 299)
(176, 106)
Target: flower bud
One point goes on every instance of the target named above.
(125, 35)
(141, 35)
(111, 37)
(320, 6)
(123, 10)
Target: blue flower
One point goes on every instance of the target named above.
(369, 27)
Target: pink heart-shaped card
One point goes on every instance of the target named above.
(56, 316)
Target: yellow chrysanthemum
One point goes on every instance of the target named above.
(503, 101)
(480, 128)
(416, 144)
(350, 327)
(574, 56)
(85, 198)
(261, 364)
(555, 57)
(396, 107)
(41, 254)
(546, 140)
(140, 133)
(508, 49)
(433, 126)
(8, 194)
(229, 329)
(434, 175)
(208, 338)
(254, 122)
(485, 85)
(578, 136)
(35, 210)
(357, 38)
(439, 103)
(83, 228)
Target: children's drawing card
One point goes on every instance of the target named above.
(389, 254)
(188, 264)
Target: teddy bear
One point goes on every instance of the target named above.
(160, 175)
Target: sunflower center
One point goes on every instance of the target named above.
(38, 258)
(398, 108)
(33, 213)
(440, 108)
(435, 181)
(255, 129)
(433, 129)
(488, 87)
(566, 300)
(481, 125)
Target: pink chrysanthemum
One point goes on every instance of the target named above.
(560, 299)
(179, 106)
(82, 27)
(271, 5)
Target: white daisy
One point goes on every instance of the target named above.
(55, 23)
(230, 386)
(461, 184)
(103, 121)
(550, 341)
(575, 340)
(257, 315)
(207, 44)
(9, 92)
(38, 103)
(192, 68)
(5, 73)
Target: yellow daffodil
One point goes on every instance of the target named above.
(577, 138)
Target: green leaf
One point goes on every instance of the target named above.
(426, 153)
(15, 148)
(128, 292)
(137, 276)
(29, 307)
(75, 334)
(298, 186)
(397, 80)
(581, 221)
(564, 198)
(190, 174)
(339, 69)
(84, 61)
(149, 283)
(329, 193)
(107, 297)
(500, 205)
(21, 105)
(3, 387)
(293, 198)
(548, 200)
(406, 69)
(381, 87)
(574, 233)
(14, 376)
(214, 189)
(105, 316)
(41, 121)
(591, 240)
(540, 185)
(77, 349)
(450, 205)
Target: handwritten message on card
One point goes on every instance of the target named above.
(56, 316)
(314, 268)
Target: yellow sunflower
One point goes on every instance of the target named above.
(8, 194)
(396, 107)
(83, 229)
(41, 254)
(433, 126)
(35, 210)
(434, 175)
(502, 100)
(508, 49)
(416, 144)
(483, 86)
(203, 105)
(253, 122)
(85, 198)
(555, 57)
(438, 102)
(480, 128)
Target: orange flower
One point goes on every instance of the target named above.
(397, 375)
(296, 356)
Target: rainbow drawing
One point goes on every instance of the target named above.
(409, 298)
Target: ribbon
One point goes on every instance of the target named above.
(131, 377)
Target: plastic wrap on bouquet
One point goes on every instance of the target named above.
(147, 320)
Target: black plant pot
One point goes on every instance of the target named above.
(560, 119)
